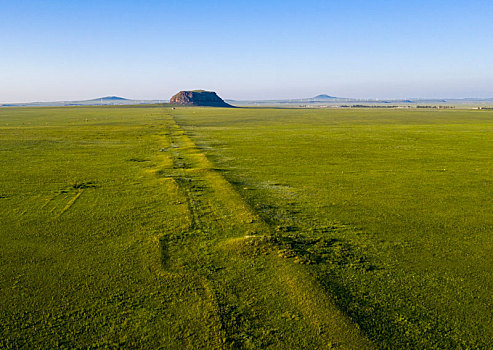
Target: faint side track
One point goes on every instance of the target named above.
(71, 202)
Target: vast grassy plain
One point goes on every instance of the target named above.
(245, 228)
(117, 231)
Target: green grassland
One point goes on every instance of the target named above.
(117, 231)
(245, 228)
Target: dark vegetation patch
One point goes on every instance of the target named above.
(321, 250)
(138, 160)
(76, 185)
(82, 184)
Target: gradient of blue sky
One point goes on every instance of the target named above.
(62, 50)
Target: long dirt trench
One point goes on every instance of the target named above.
(249, 296)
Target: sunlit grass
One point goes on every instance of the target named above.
(117, 231)
(245, 228)
(406, 194)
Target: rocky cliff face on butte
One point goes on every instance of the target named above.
(198, 98)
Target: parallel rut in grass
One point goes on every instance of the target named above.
(256, 298)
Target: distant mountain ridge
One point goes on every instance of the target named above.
(325, 99)
(114, 98)
(100, 101)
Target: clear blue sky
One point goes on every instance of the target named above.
(61, 50)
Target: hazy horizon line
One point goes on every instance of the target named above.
(253, 99)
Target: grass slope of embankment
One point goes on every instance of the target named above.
(391, 209)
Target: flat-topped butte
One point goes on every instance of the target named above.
(198, 98)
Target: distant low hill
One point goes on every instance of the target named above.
(324, 97)
(114, 98)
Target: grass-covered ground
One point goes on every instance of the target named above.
(117, 231)
(245, 228)
(394, 208)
